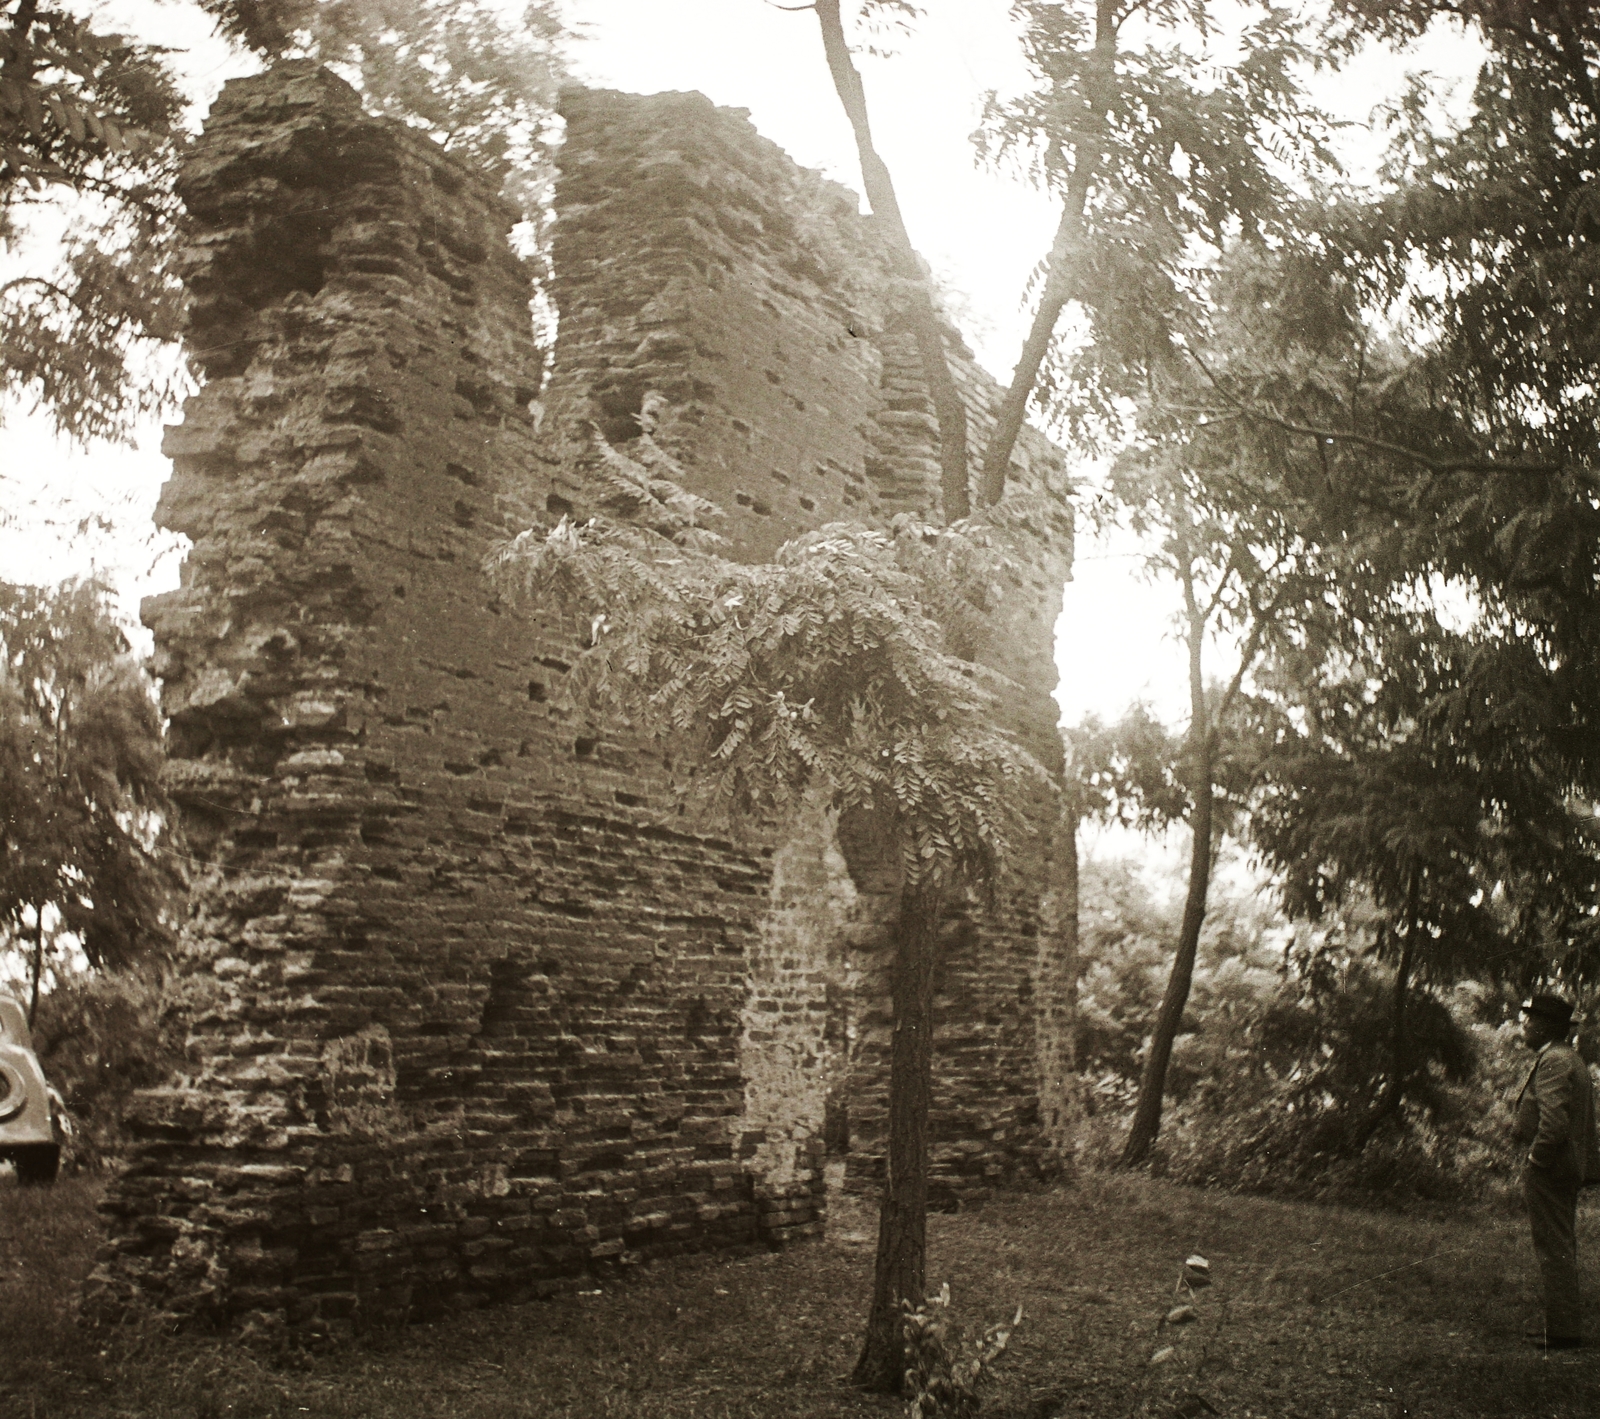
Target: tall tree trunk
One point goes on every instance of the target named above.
(1152, 1087)
(1398, 1052)
(949, 407)
(901, 1270)
(1058, 283)
(1201, 747)
(38, 963)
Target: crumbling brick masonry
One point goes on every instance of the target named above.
(475, 1011)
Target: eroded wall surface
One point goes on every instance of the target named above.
(475, 1012)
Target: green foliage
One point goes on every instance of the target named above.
(1134, 770)
(1125, 931)
(1445, 773)
(78, 106)
(943, 1368)
(1282, 1061)
(90, 138)
(1168, 154)
(87, 121)
(73, 340)
(1418, 367)
(82, 811)
(838, 666)
(480, 82)
(1455, 829)
(102, 1036)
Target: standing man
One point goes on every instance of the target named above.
(1556, 1120)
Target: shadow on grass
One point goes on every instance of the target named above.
(1315, 1312)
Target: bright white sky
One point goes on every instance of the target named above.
(982, 234)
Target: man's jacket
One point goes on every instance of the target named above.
(1555, 1114)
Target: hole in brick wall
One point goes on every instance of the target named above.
(466, 475)
(773, 377)
(462, 514)
(697, 1016)
(836, 1124)
(760, 508)
(537, 692)
(580, 911)
(479, 393)
(628, 800)
(490, 759)
(400, 591)
(255, 838)
(462, 673)
(809, 504)
(551, 663)
(558, 505)
(619, 408)
(583, 748)
(188, 738)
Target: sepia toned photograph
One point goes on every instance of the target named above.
(730, 709)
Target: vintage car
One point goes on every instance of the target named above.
(30, 1130)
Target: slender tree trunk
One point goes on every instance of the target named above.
(1058, 283)
(948, 405)
(38, 963)
(901, 1270)
(1152, 1087)
(1398, 1052)
(1057, 292)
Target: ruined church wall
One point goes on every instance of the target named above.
(474, 1011)
(745, 309)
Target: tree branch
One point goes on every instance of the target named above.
(949, 407)
(1431, 462)
(1058, 288)
(7, 287)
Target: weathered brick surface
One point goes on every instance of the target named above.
(478, 1012)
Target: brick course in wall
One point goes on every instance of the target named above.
(476, 1012)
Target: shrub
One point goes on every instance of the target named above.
(1279, 1076)
(102, 1036)
(943, 1369)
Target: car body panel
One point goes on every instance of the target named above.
(24, 1096)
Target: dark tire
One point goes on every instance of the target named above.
(37, 1165)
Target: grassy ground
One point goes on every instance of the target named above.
(1315, 1313)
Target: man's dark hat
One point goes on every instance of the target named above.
(1549, 1007)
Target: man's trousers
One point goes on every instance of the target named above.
(1552, 1197)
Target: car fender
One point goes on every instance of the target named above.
(24, 1095)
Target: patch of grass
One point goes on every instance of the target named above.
(48, 1238)
(1315, 1313)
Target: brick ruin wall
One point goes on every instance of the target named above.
(473, 1011)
